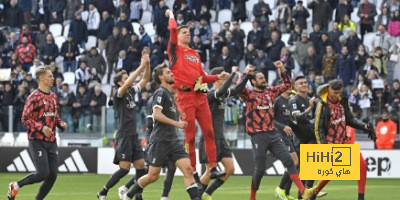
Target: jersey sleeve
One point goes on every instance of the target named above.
(173, 41)
(277, 90)
(28, 118)
(244, 94)
(159, 100)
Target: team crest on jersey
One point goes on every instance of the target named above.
(192, 58)
(159, 99)
(294, 106)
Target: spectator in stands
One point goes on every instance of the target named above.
(31, 83)
(48, 51)
(322, 13)
(354, 101)
(312, 62)
(380, 61)
(300, 15)
(11, 45)
(82, 74)
(125, 23)
(283, 16)
(19, 73)
(368, 66)
(94, 79)
(239, 10)
(13, 16)
(225, 60)
(287, 59)
(251, 54)
(386, 131)
(329, 63)
(69, 50)
(136, 11)
(341, 43)
(206, 28)
(66, 98)
(25, 53)
(394, 26)
(70, 8)
(144, 37)
(79, 31)
(36, 64)
(180, 20)
(96, 61)
(360, 57)
(215, 49)
(93, 20)
(18, 104)
(26, 7)
(295, 35)
(235, 47)
(40, 39)
(315, 37)
(162, 21)
(392, 5)
(324, 42)
(274, 46)
(13, 61)
(267, 31)
(122, 8)
(383, 18)
(395, 91)
(105, 5)
(56, 9)
(224, 4)
(255, 35)
(353, 42)
(301, 48)
(157, 52)
(263, 63)
(343, 8)
(200, 47)
(3, 65)
(97, 101)
(382, 39)
(366, 13)
(57, 87)
(204, 14)
(335, 33)
(186, 12)
(122, 62)
(81, 109)
(105, 30)
(346, 69)
(113, 47)
(261, 12)
(227, 26)
(198, 4)
(26, 32)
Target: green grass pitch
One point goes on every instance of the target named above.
(86, 186)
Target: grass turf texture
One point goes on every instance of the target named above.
(86, 186)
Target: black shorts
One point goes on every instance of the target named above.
(223, 150)
(159, 153)
(128, 148)
(43, 153)
(289, 144)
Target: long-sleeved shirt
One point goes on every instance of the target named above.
(41, 109)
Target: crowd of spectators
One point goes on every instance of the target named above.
(324, 40)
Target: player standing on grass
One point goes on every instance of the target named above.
(164, 144)
(41, 116)
(127, 148)
(261, 127)
(191, 98)
(332, 116)
(217, 99)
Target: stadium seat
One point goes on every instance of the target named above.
(7, 140)
(55, 29)
(66, 30)
(59, 40)
(106, 88)
(215, 27)
(152, 38)
(271, 76)
(285, 38)
(170, 3)
(69, 77)
(224, 15)
(136, 27)
(247, 27)
(271, 4)
(213, 15)
(92, 41)
(149, 28)
(368, 38)
(250, 5)
(145, 4)
(22, 140)
(81, 50)
(146, 18)
(72, 88)
(354, 16)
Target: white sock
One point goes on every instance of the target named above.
(16, 186)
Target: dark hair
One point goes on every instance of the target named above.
(217, 70)
(154, 86)
(182, 27)
(299, 77)
(384, 111)
(65, 84)
(118, 77)
(396, 81)
(254, 77)
(227, 22)
(336, 84)
(158, 71)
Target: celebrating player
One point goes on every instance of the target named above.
(332, 116)
(217, 100)
(127, 149)
(41, 116)
(261, 127)
(164, 144)
(192, 102)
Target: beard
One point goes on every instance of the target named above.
(262, 86)
(172, 81)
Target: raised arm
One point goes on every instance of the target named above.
(128, 83)
(249, 71)
(277, 90)
(146, 75)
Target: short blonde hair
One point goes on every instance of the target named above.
(41, 71)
